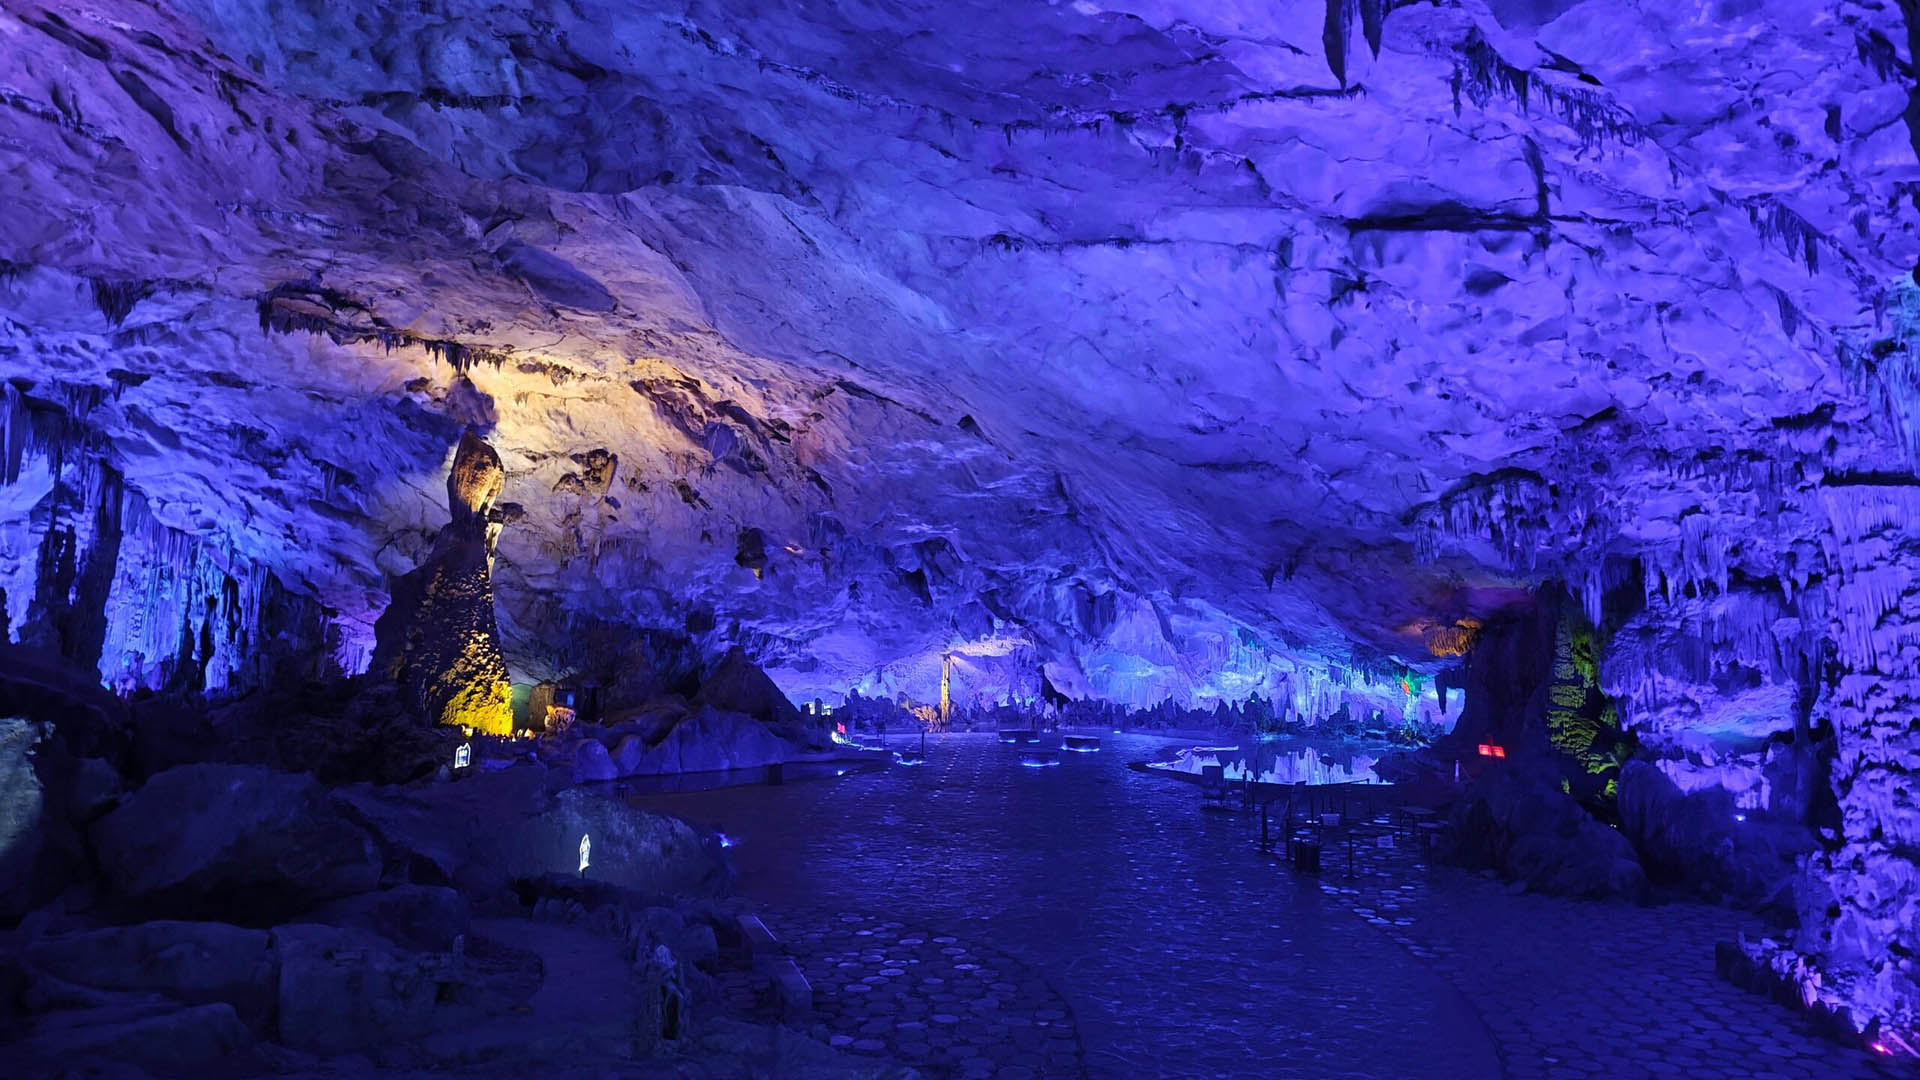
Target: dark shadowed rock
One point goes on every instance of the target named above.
(233, 841)
(629, 754)
(635, 849)
(157, 1036)
(191, 962)
(1522, 826)
(488, 829)
(591, 762)
(711, 740)
(1697, 840)
(738, 685)
(47, 797)
(342, 731)
(344, 990)
(23, 808)
(41, 685)
(426, 918)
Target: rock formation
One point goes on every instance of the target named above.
(438, 637)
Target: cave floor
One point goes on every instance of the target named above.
(976, 918)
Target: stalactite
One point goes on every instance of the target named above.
(1484, 74)
(1858, 925)
(117, 590)
(1887, 370)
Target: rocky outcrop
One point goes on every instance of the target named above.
(631, 848)
(233, 841)
(23, 817)
(482, 833)
(438, 637)
(592, 763)
(1516, 823)
(738, 685)
(425, 918)
(191, 962)
(156, 1036)
(1702, 841)
(341, 732)
(343, 990)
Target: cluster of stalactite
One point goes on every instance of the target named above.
(109, 587)
(1861, 904)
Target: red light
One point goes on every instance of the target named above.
(1485, 750)
(1490, 750)
(1500, 751)
(841, 728)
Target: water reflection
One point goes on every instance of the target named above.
(1283, 761)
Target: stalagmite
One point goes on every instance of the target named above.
(438, 638)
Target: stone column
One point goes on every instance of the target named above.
(1860, 907)
(438, 637)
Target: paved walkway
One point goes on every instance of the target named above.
(1153, 940)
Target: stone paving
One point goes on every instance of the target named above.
(1108, 927)
(931, 1000)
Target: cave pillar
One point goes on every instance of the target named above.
(1861, 903)
(946, 690)
(438, 637)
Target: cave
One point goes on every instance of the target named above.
(1113, 538)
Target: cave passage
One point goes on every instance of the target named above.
(960, 539)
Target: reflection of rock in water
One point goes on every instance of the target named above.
(1274, 765)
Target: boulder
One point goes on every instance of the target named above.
(154, 1036)
(1703, 841)
(23, 809)
(192, 962)
(711, 740)
(424, 918)
(629, 755)
(96, 789)
(737, 685)
(233, 841)
(591, 762)
(1517, 822)
(697, 944)
(487, 830)
(342, 731)
(41, 685)
(345, 990)
(635, 849)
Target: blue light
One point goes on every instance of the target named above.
(726, 841)
(1739, 817)
(1082, 749)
